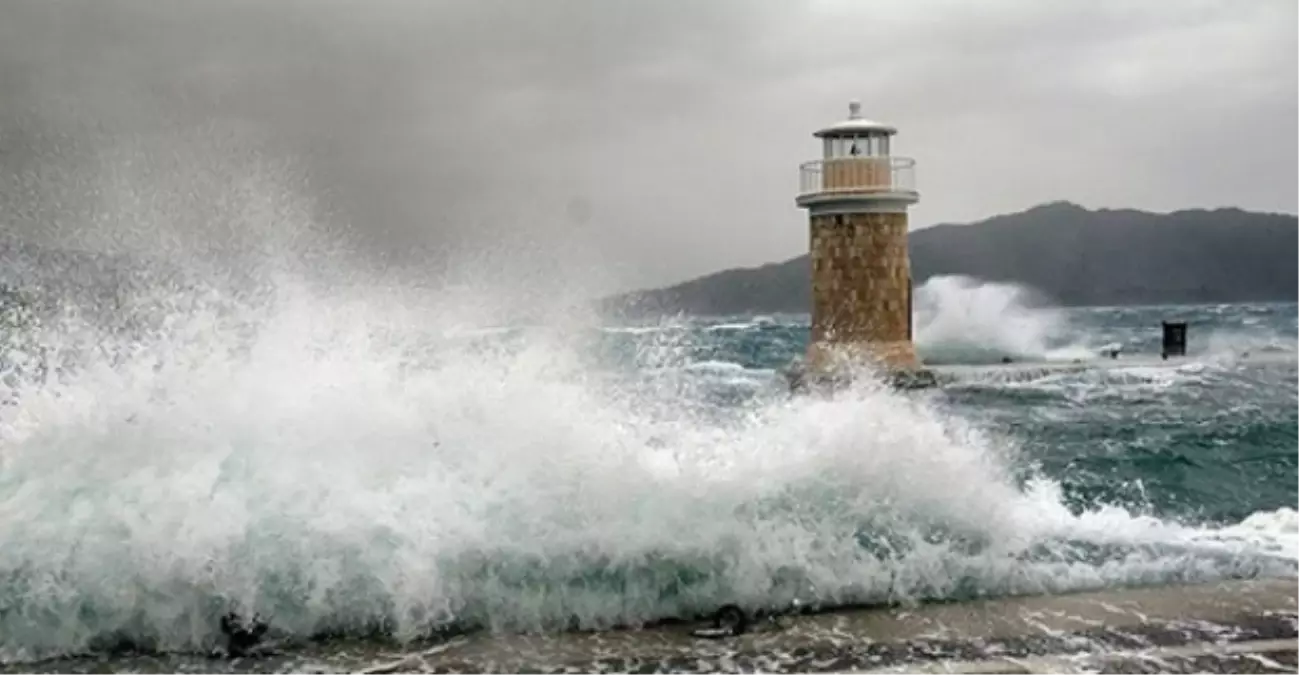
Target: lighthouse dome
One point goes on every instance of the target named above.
(856, 125)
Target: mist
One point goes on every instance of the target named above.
(583, 147)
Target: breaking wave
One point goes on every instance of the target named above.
(961, 319)
(339, 464)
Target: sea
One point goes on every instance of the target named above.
(370, 477)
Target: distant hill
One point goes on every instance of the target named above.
(1073, 255)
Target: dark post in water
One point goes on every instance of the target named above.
(1174, 339)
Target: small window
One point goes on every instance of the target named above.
(843, 146)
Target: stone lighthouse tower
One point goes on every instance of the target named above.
(857, 196)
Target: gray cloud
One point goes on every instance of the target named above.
(651, 141)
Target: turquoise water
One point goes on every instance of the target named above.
(1210, 438)
(353, 467)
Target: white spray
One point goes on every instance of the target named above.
(965, 320)
(341, 465)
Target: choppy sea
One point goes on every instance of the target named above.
(354, 469)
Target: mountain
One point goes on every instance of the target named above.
(1073, 255)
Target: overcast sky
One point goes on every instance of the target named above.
(653, 140)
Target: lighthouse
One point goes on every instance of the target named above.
(857, 197)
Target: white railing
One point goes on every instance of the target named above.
(857, 174)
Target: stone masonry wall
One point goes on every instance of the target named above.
(861, 287)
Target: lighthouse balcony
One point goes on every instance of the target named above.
(889, 177)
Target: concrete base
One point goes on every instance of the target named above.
(801, 379)
(1241, 626)
(1227, 627)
